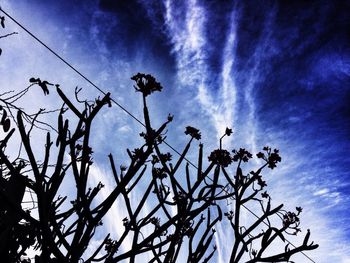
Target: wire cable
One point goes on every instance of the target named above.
(123, 108)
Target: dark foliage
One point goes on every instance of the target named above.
(61, 231)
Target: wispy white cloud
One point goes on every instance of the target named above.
(186, 32)
(189, 40)
(221, 106)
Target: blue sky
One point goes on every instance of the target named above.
(277, 72)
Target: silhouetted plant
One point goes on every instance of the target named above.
(183, 218)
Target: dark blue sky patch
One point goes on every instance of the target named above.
(135, 31)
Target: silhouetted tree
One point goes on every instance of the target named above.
(184, 206)
(62, 234)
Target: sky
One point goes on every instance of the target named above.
(277, 72)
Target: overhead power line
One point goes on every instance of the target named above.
(121, 107)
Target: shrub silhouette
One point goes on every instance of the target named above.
(186, 205)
